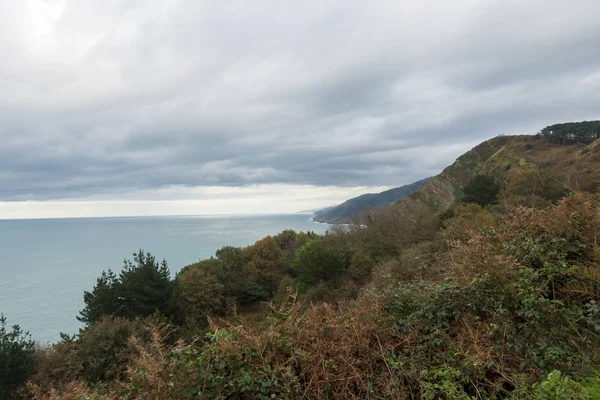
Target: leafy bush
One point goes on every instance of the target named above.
(100, 353)
(482, 190)
(16, 359)
(104, 348)
(315, 353)
(559, 387)
(264, 266)
(200, 293)
(592, 385)
(319, 261)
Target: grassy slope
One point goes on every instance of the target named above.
(577, 167)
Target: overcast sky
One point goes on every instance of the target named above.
(125, 107)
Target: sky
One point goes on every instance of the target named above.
(162, 107)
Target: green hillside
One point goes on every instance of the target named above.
(529, 169)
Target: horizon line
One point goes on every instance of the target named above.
(158, 216)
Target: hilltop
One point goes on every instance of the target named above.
(530, 169)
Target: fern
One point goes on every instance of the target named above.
(587, 283)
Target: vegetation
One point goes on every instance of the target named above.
(572, 132)
(482, 190)
(142, 288)
(344, 212)
(16, 358)
(484, 284)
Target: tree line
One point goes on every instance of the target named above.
(572, 132)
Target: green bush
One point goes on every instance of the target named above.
(104, 350)
(559, 387)
(319, 261)
(482, 190)
(592, 385)
(16, 359)
(199, 293)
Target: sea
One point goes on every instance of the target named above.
(47, 264)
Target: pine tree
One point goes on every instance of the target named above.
(143, 287)
(482, 190)
(16, 359)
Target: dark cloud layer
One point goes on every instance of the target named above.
(103, 98)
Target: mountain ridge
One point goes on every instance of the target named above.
(344, 212)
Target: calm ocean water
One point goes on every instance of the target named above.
(47, 264)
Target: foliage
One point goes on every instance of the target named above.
(231, 275)
(559, 387)
(467, 218)
(383, 234)
(319, 260)
(314, 354)
(103, 348)
(16, 359)
(426, 299)
(592, 385)
(264, 265)
(102, 300)
(143, 287)
(572, 132)
(482, 190)
(200, 293)
(100, 353)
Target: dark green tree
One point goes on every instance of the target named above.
(16, 359)
(572, 132)
(143, 287)
(264, 264)
(482, 190)
(319, 261)
(103, 349)
(236, 283)
(102, 300)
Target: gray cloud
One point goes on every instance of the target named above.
(104, 98)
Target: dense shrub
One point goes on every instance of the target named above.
(500, 303)
(319, 261)
(143, 287)
(99, 353)
(200, 293)
(16, 359)
(556, 386)
(482, 190)
(264, 265)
